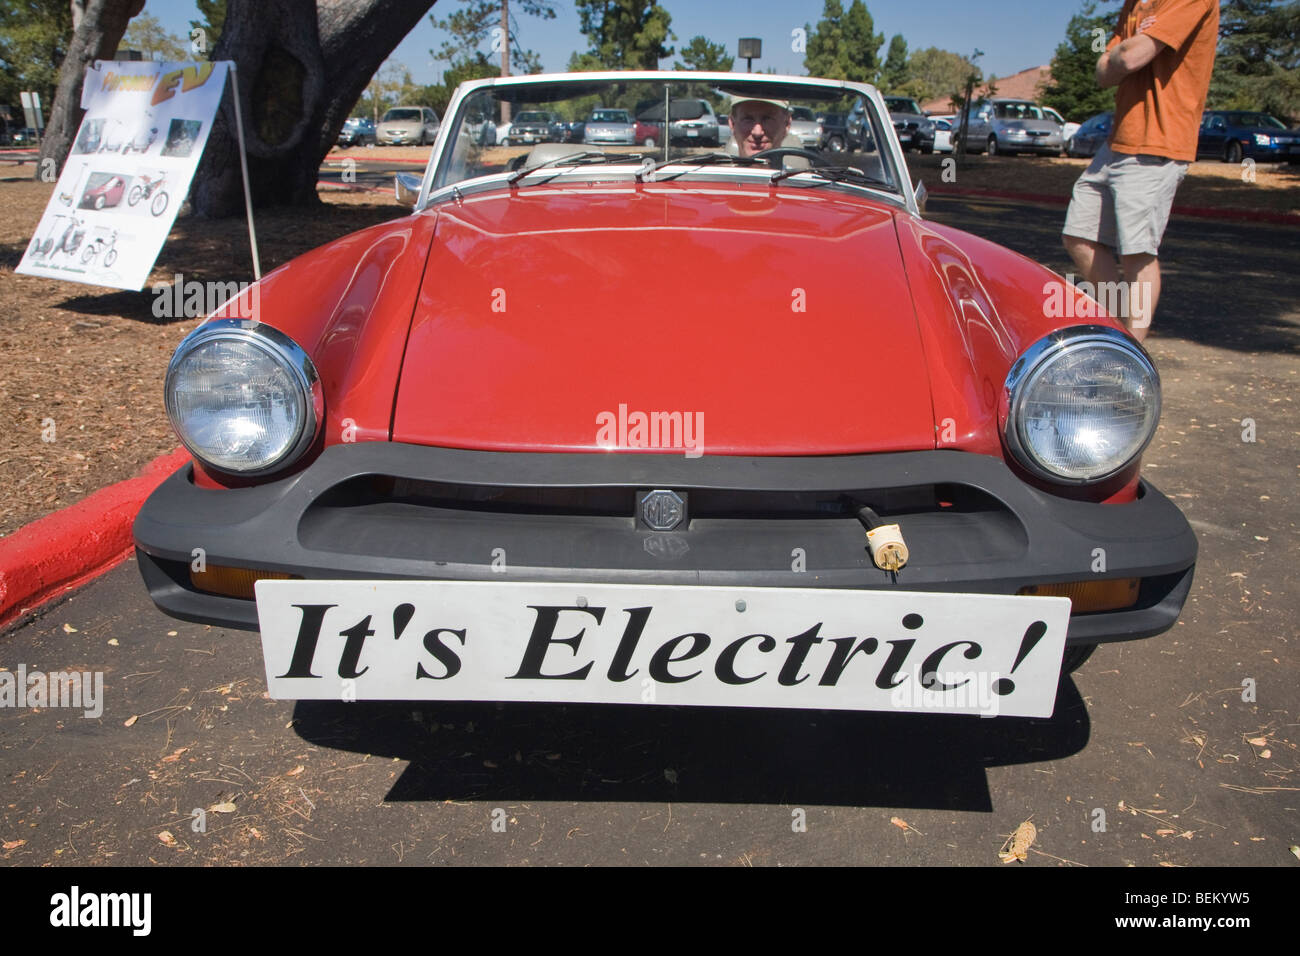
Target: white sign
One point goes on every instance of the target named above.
(32, 110)
(128, 172)
(816, 648)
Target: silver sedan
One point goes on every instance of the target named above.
(612, 127)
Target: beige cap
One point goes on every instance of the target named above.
(782, 104)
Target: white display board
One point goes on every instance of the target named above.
(128, 172)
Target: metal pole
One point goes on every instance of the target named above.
(505, 55)
(667, 120)
(243, 166)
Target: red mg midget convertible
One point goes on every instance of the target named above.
(521, 444)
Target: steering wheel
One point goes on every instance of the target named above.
(777, 152)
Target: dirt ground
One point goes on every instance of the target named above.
(1209, 184)
(81, 368)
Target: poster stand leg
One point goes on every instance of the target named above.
(243, 165)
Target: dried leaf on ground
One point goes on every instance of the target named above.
(1019, 843)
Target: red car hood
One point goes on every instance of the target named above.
(772, 322)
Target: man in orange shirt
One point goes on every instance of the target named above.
(1160, 58)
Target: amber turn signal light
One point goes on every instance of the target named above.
(234, 582)
(1088, 596)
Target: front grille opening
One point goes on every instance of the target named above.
(621, 502)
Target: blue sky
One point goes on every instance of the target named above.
(1014, 34)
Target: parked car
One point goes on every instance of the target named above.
(914, 130)
(535, 126)
(1234, 135)
(804, 124)
(574, 131)
(943, 131)
(462, 482)
(649, 134)
(857, 124)
(24, 136)
(1009, 126)
(408, 126)
(834, 137)
(1068, 129)
(610, 126)
(691, 120)
(358, 131)
(1091, 135)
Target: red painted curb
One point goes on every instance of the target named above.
(75, 544)
(372, 159)
(352, 187)
(1200, 212)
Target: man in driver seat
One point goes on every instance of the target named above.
(758, 124)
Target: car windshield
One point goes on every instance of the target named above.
(902, 104)
(802, 114)
(402, 116)
(1255, 119)
(1017, 111)
(522, 137)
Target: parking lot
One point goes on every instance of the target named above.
(1178, 750)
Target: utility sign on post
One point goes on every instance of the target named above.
(127, 173)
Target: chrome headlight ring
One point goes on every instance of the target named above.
(1036, 360)
(281, 349)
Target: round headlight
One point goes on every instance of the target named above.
(243, 397)
(1081, 404)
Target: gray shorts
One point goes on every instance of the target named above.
(1123, 201)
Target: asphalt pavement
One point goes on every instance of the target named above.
(1178, 750)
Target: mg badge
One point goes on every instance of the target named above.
(662, 510)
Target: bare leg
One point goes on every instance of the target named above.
(1142, 272)
(1095, 261)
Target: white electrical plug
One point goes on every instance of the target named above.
(888, 549)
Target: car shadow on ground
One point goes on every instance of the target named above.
(521, 752)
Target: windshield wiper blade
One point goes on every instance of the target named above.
(705, 159)
(836, 174)
(579, 157)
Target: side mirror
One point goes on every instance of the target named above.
(408, 190)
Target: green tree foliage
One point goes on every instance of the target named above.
(34, 37)
(391, 86)
(936, 73)
(477, 23)
(625, 34)
(1258, 62)
(147, 34)
(1073, 91)
(844, 46)
(214, 19)
(896, 73)
(701, 54)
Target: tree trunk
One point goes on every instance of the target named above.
(100, 25)
(301, 67)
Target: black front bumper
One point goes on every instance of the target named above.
(392, 511)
